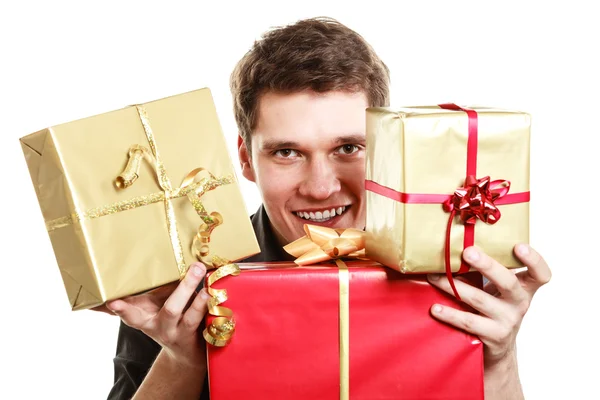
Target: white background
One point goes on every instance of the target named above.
(61, 61)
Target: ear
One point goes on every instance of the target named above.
(245, 160)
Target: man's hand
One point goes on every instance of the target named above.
(171, 316)
(502, 305)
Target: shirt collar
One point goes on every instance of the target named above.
(270, 249)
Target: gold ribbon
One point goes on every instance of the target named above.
(344, 329)
(323, 244)
(221, 329)
(189, 187)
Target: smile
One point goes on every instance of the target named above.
(323, 215)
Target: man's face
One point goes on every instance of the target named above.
(308, 160)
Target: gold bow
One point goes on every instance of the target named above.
(323, 244)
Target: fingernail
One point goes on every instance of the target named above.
(471, 254)
(198, 270)
(436, 309)
(112, 308)
(433, 277)
(204, 294)
(522, 249)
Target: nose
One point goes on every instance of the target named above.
(320, 179)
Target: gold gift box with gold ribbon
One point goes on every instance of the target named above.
(441, 178)
(132, 197)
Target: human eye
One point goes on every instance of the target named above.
(348, 149)
(285, 153)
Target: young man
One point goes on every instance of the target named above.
(299, 99)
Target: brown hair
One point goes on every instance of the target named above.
(318, 54)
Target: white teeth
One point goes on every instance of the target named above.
(302, 214)
(321, 216)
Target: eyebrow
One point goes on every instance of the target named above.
(350, 139)
(274, 144)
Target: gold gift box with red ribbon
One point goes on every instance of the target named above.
(132, 197)
(442, 178)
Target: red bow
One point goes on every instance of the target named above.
(476, 200)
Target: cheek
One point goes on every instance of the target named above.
(354, 180)
(276, 184)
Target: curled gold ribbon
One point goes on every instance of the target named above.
(222, 327)
(132, 169)
(322, 244)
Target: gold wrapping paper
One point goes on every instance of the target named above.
(128, 250)
(424, 150)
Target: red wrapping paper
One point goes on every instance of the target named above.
(286, 344)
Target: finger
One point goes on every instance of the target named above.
(174, 307)
(538, 273)
(155, 296)
(491, 289)
(475, 324)
(483, 302)
(131, 315)
(505, 281)
(195, 313)
(162, 293)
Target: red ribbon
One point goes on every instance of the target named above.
(476, 199)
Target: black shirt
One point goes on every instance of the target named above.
(136, 352)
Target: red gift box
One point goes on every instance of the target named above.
(287, 337)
